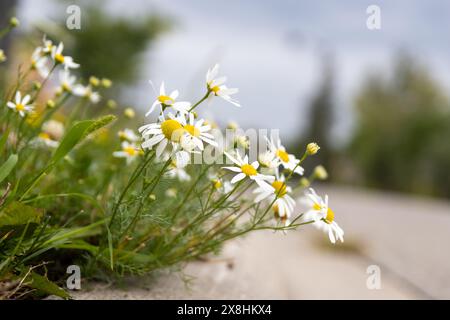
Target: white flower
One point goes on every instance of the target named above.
(53, 128)
(129, 151)
(219, 184)
(165, 100)
(58, 57)
(86, 92)
(66, 80)
(129, 135)
(21, 105)
(196, 132)
(244, 170)
(44, 139)
(268, 161)
(165, 133)
(323, 216)
(52, 132)
(177, 170)
(40, 63)
(217, 87)
(47, 47)
(288, 161)
(279, 194)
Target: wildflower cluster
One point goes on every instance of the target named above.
(125, 198)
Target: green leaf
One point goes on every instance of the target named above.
(17, 213)
(44, 285)
(3, 139)
(78, 133)
(7, 167)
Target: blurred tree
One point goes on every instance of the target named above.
(403, 131)
(6, 12)
(320, 118)
(108, 45)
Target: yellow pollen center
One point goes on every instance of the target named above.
(20, 107)
(215, 89)
(217, 184)
(249, 170)
(59, 57)
(172, 130)
(283, 155)
(165, 100)
(44, 136)
(280, 188)
(130, 151)
(192, 130)
(330, 216)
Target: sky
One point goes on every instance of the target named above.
(273, 51)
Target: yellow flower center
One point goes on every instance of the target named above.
(280, 188)
(130, 151)
(20, 107)
(217, 184)
(330, 216)
(165, 100)
(215, 89)
(59, 58)
(283, 155)
(192, 130)
(172, 130)
(249, 170)
(44, 136)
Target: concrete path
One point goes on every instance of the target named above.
(406, 237)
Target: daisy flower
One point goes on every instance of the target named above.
(129, 151)
(165, 100)
(323, 216)
(40, 63)
(86, 92)
(217, 88)
(288, 161)
(278, 193)
(66, 81)
(129, 135)
(52, 132)
(246, 170)
(268, 161)
(44, 139)
(47, 47)
(165, 133)
(178, 171)
(219, 184)
(196, 132)
(58, 57)
(21, 105)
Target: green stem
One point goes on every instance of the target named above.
(200, 101)
(137, 172)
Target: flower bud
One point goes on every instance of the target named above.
(106, 83)
(2, 56)
(111, 104)
(320, 173)
(50, 104)
(312, 148)
(304, 182)
(94, 81)
(129, 113)
(14, 22)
